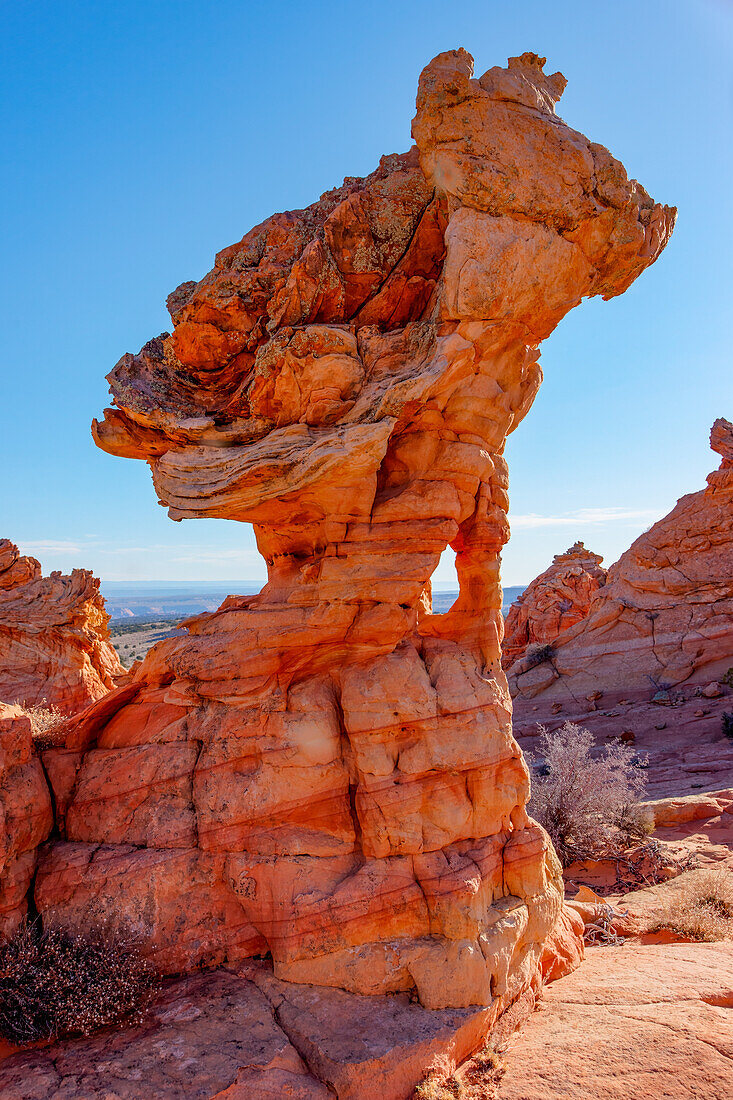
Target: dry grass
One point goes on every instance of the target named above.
(702, 907)
(476, 1080)
(589, 804)
(46, 725)
(55, 984)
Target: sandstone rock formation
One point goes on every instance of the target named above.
(54, 636)
(665, 615)
(556, 600)
(25, 815)
(326, 771)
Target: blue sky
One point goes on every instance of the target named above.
(140, 138)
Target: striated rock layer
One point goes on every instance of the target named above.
(326, 771)
(54, 636)
(556, 600)
(25, 815)
(665, 614)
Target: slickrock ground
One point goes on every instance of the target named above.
(681, 736)
(326, 771)
(556, 600)
(665, 615)
(633, 1021)
(54, 636)
(25, 815)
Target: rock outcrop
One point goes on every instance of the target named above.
(555, 600)
(54, 636)
(664, 616)
(326, 771)
(25, 815)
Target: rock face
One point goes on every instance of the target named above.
(556, 600)
(326, 771)
(54, 636)
(25, 815)
(665, 615)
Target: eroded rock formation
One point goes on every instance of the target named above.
(54, 636)
(665, 614)
(326, 771)
(25, 815)
(555, 600)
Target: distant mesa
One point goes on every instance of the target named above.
(664, 615)
(54, 636)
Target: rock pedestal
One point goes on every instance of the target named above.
(326, 771)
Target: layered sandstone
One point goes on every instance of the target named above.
(664, 616)
(555, 600)
(54, 636)
(326, 771)
(25, 815)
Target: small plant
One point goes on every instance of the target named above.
(702, 907)
(440, 1083)
(537, 653)
(588, 804)
(727, 723)
(54, 983)
(728, 678)
(46, 724)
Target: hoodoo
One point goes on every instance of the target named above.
(54, 636)
(556, 600)
(326, 771)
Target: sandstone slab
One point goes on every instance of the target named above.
(642, 1021)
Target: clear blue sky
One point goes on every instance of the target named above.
(141, 137)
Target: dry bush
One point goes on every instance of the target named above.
(46, 725)
(588, 804)
(55, 984)
(727, 723)
(537, 653)
(702, 907)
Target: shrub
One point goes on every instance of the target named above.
(727, 723)
(588, 804)
(701, 908)
(46, 724)
(55, 984)
(537, 653)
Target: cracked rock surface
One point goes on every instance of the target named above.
(643, 1021)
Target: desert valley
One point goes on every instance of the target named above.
(345, 836)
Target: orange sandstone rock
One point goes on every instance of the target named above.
(556, 600)
(25, 815)
(664, 616)
(326, 770)
(54, 636)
